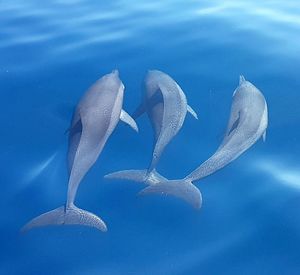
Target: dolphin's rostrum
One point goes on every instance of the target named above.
(247, 123)
(166, 106)
(94, 120)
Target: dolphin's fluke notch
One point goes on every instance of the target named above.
(66, 216)
(179, 188)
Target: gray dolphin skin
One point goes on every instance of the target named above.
(94, 120)
(247, 123)
(166, 106)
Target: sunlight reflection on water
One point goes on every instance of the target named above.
(284, 174)
(38, 169)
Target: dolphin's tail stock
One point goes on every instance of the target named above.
(137, 175)
(70, 215)
(182, 189)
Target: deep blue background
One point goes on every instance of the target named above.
(52, 51)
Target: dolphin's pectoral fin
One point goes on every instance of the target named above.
(242, 79)
(139, 111)
(125, 117)
(156, 98)
(264, 136)
(76, 125)
(63, 111)
(76, 128)
(151, 102)
(192, 112)
(234, 125)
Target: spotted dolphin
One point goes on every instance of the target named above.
(94, 119)
(247, 123)
(166, 106)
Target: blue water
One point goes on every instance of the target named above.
(52, 51)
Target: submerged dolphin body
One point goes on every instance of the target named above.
(247, 123)
(94, 120)
(166, 106)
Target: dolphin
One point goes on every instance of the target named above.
(166, 106)
(94, 119)
(247, 123)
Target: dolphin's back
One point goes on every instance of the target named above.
(166, 108)
(247, 110)
(103, 92)
(100, 99)
(248, 121)
(94, 120)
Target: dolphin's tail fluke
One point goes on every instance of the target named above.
(182, 189)
(137, 175)
(66, 215)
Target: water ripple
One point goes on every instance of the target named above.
(66, 27)
(51, 51)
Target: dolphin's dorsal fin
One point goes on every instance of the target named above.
(125, 117)
(242, 79)
(192, 112)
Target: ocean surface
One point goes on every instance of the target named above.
(52, 51)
